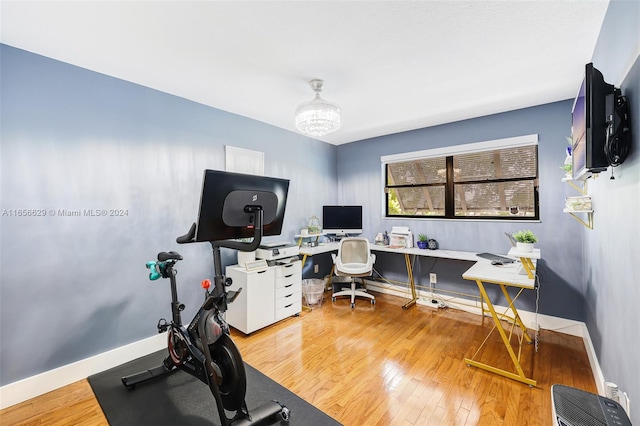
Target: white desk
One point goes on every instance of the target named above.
(407, 252)
(446, 254)
(319, 249)
(301, 237)
(483, 272)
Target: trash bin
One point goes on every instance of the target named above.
(313, 291)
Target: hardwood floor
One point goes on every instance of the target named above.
(379, 365)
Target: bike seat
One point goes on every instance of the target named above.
(172, 255)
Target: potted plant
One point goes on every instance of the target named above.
(314, 227)
(422, 241)
(525, 240)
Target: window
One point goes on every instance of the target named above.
(486, 180)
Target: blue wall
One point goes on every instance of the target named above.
(360, 179)
(611, 250)
(73, 287)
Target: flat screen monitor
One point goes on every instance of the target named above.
(222, 214)
(342, 220)
(589, 125)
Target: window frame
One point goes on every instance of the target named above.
(449, 186)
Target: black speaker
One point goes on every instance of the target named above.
(618, 140)
(575, 407)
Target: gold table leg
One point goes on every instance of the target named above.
(516, 317)
(329, 284)
(412, 284)
(519, 375)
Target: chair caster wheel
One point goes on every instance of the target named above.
(373, 301)
(353, 305)
(333, 299)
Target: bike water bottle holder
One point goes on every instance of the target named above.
(161, 268)
(152, 266)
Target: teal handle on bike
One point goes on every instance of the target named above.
(152, 266)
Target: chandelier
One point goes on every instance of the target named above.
(317, 117)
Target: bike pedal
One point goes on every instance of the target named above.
(232, 295)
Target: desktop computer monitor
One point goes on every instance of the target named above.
(342, 220)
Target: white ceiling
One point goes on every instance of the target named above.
(392, 66)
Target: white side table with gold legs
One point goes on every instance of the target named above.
(512, 275)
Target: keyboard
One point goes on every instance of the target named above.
(495, 258)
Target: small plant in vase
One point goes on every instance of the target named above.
(568, 163)
(422, 241)
(525, 240)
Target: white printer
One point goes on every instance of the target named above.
(401, 236)
(275, 251)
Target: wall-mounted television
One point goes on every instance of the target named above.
(589, 125)
(342, 220)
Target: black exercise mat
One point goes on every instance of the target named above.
(181, 399)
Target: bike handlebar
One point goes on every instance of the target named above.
(256, 212)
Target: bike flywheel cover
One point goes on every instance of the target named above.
(233, 388)
(176, 347)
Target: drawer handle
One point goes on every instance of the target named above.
(288, 276)
(289, 295)
(262, 272)
(288, 306)
(287, 286)
(288, 266)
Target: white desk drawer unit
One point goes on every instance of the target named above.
(288, 290)
(267, 296)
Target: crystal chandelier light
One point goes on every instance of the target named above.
(317, 117)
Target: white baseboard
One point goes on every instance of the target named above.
(547, 322)
(33, 386)
(593, 360)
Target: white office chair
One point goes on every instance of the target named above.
(354, 259)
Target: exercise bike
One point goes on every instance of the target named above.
(204, 347)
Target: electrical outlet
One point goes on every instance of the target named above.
(433, 278)
(316, 269)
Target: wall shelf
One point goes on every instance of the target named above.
(575, 185)
(587, 221)
(574, 213)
